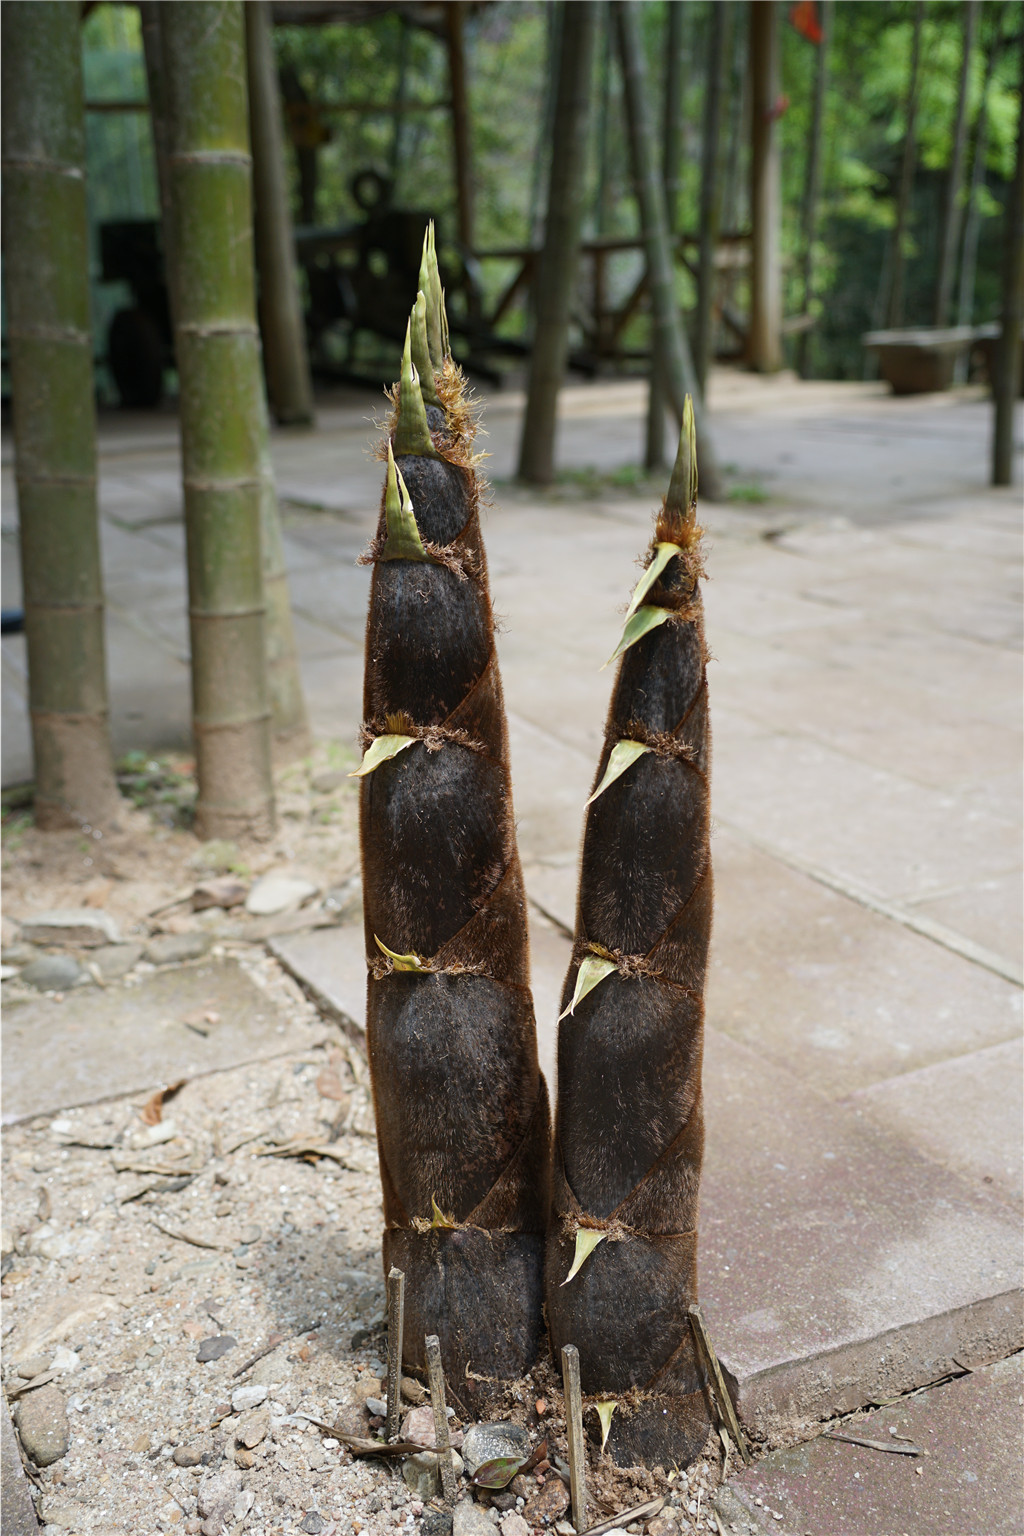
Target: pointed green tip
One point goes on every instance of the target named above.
(421, 350)
(412, 434)
(404, 541)
(430, 285)
(682, 489)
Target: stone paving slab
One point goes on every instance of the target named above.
(967, 1113)
(838, 1265)
(102, 1043)
(969, 1483)
(838, 994)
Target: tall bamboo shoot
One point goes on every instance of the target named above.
(462, 1111)
(622, 1244)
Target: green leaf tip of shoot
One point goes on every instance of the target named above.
(430, 284)
(623, 755)
(437, 1216)
(420, 348)
(637, 625)
(586, 1241)
(604, 1413)
(412, 433)
(663, 553)
(682, 488)
(400, 962)
(403, 541)
(379, 750)
(592, 969)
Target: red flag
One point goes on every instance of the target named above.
(804, 18)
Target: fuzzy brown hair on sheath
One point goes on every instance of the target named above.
(462, 1110)
(629, 1136)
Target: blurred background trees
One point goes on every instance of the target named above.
(373, 93)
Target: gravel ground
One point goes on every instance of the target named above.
(138, 1231)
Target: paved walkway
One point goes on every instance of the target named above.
(862, 1194)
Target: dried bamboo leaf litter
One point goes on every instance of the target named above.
(462, 1111)
(630, 1133)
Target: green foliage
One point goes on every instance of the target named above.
(165, 785)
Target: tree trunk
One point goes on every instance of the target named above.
(1006, 385)
(285, 359)
(765, 341)
(559, 260)
(951, 223)
(622, 1237)
(540, 170)
(739, 127)
(972, 221)
(894, 311)
(670, 334)
(217, 347)
(46, 261)
(461, 1107)
(671, 154)
(812, 191)
(710, 190)
(461, 125)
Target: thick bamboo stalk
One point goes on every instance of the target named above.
(46, 266)
(671, 154)
(670, 334)
(285, 358)
(557, 267)
(290, 723)
(454, 16)
(972, 220)
(812, 190)
(894, 308)
(952, 219)
(764, 349)
(217, 346)
(710, 189)
(622, 1238)
(461, 1108)
(1007, 382)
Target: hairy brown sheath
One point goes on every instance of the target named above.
(630, 1131)
(462, 1111)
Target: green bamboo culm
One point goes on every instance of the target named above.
(48, 329)
(289, 720)
(221, 409)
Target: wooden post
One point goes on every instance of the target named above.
(765, 342)
(285, 359)
(396, 1339)
(1006, 385)
(557, 267)
(574, 1434)
(726, 1406)
(894, 309)
(680, 379)
(461, 138)
(435, 1377)
(46, 273)
(812, 188)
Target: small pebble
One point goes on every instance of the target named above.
(42, 1423)
(187, 1456)
(51, 973)
(247, 1397)
(249, 1235)
(215, 1348)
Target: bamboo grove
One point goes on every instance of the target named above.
(607, 1255)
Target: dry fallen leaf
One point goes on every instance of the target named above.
(328, 1085)
(152, 1111)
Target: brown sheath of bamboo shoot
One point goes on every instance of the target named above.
(462, 1112)
(630, 1129)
